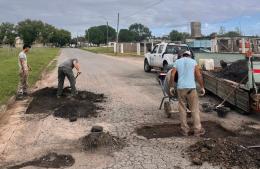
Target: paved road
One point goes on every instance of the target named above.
(133, 98)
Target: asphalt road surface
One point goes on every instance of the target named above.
(133, 98)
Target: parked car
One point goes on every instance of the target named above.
(162, 55)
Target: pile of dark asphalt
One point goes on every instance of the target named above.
(230, 151)
(51, 160)
(236, 71)
(83, 105)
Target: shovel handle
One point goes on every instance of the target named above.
(78, 73)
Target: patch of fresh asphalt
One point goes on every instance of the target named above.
(133, 98)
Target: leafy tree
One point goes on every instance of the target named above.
(178, 36)
(46, 33)
(60, 37)
(125, 36)
(7, 33)
(80, 39)
(140, 32)
(111, 32)
(73, 41)
(98, 34)
(95, 35)
(213, 35)
(30, 30)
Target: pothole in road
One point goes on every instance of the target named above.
(213, 130)
(51, 160)
(218, 146)
(83, 105)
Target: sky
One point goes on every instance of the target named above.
(161, 16)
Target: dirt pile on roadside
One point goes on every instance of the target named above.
(225, 152)
(236, 71)
(51, 160)
(102, 140)
(83, 105)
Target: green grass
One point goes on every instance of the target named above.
(103, 50)
(38, 59)
(52, 66)
(109, 51)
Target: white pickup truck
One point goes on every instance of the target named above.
(162, 55)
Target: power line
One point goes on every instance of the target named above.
(144, 9)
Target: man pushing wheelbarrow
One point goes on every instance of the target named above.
(66, 70)
(188, 71)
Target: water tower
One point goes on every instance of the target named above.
(195, 29)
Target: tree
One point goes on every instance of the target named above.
(125, 36)
(46, 33)
(60, 37)
(7, 33)
(30, 30)
(95, 35)
(178, 36)
(213, 35)
(98, 34)
(78, 40)
(140, 32)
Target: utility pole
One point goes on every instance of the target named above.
(117, 33)
(107, 34)
(77, 40)
(88, 39)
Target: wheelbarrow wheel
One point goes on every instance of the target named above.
(167, 109)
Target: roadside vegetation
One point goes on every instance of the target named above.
(102, 34)
(109, 51)
(102, 50)
(38, 59)
(33, 31)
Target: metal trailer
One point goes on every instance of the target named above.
(245, 97)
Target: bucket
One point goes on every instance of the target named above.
(222, 111)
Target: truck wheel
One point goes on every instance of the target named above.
(165, 66)
(147, 67)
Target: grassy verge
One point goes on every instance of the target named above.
(38, 59)
(51, 66)
(109, 51)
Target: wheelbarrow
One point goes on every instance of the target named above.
(166, 95)
(161, 78)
